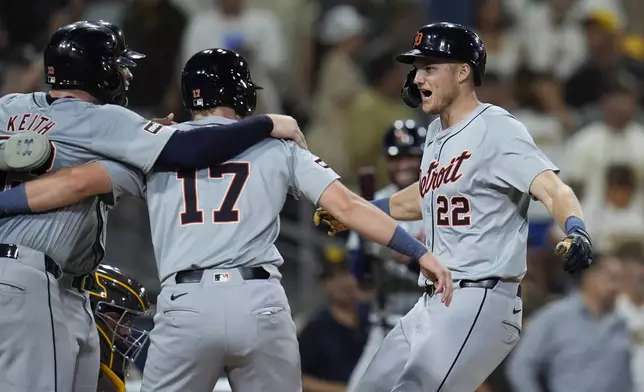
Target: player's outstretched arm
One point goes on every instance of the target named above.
(202, 147)
(563, 205)
(404, 205)
(358, 214)
(57, 189)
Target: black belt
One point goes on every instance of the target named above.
(194, 276)
(483, 283)
(11, 251)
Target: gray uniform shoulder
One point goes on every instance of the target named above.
(112, 110)
(7, 99)
(499, 123)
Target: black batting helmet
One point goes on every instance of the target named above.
(88, 56)
(120, 39)
(447, 41)
(405, 138)
(218, 77)
(117, 300)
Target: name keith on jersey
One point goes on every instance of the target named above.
(437, 176)
(30, 122)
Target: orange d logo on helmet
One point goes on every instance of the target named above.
(419, 38)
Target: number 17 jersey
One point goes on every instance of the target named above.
(227, 216)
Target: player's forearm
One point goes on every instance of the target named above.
(558, 198)
(312, 384)
(376, 226)
(57, 189)
(38, 196)
(404, 205)
(66, 186)
(359, 215)
(202, 147)
(564, 205)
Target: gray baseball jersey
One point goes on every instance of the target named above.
(475, 188)
(228, 216)
(81, 132)
(475, 183)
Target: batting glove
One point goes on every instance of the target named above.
(322, 216)
(576, 250)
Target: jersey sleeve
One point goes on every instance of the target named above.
(518, 160)
(126, 180)
(310, 175)
(123, 135)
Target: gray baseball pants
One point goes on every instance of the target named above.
(35, 349)
(447, 349)
(223, 322)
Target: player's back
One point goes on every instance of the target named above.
(74, 232)
(228, 216)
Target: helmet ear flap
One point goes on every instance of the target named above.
(410, 92)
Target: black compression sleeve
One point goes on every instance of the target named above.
(199, 148)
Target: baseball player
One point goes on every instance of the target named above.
(221, 304)
(82, 117)
(479, 170)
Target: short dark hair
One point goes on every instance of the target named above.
(618, 88)
(621, 176)
(332, 270)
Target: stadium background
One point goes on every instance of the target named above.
(571, 70)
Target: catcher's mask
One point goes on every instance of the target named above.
(117, 301)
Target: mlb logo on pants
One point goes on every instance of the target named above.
(221, 277)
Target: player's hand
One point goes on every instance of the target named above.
(167, 120)
(286, 127)
(576, 250)
(322, 216)
(433, 270)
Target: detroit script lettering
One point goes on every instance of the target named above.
(436, 175)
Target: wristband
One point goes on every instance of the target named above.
(382, 204)
(403, 242)
(14, 201)
(573, 223)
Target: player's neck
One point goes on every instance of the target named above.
(79, 94)
(218, 111)
(458, 111)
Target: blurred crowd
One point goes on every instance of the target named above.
(571, 70)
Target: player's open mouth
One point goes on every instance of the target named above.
(426, 94)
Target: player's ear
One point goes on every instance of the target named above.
(463, 72)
